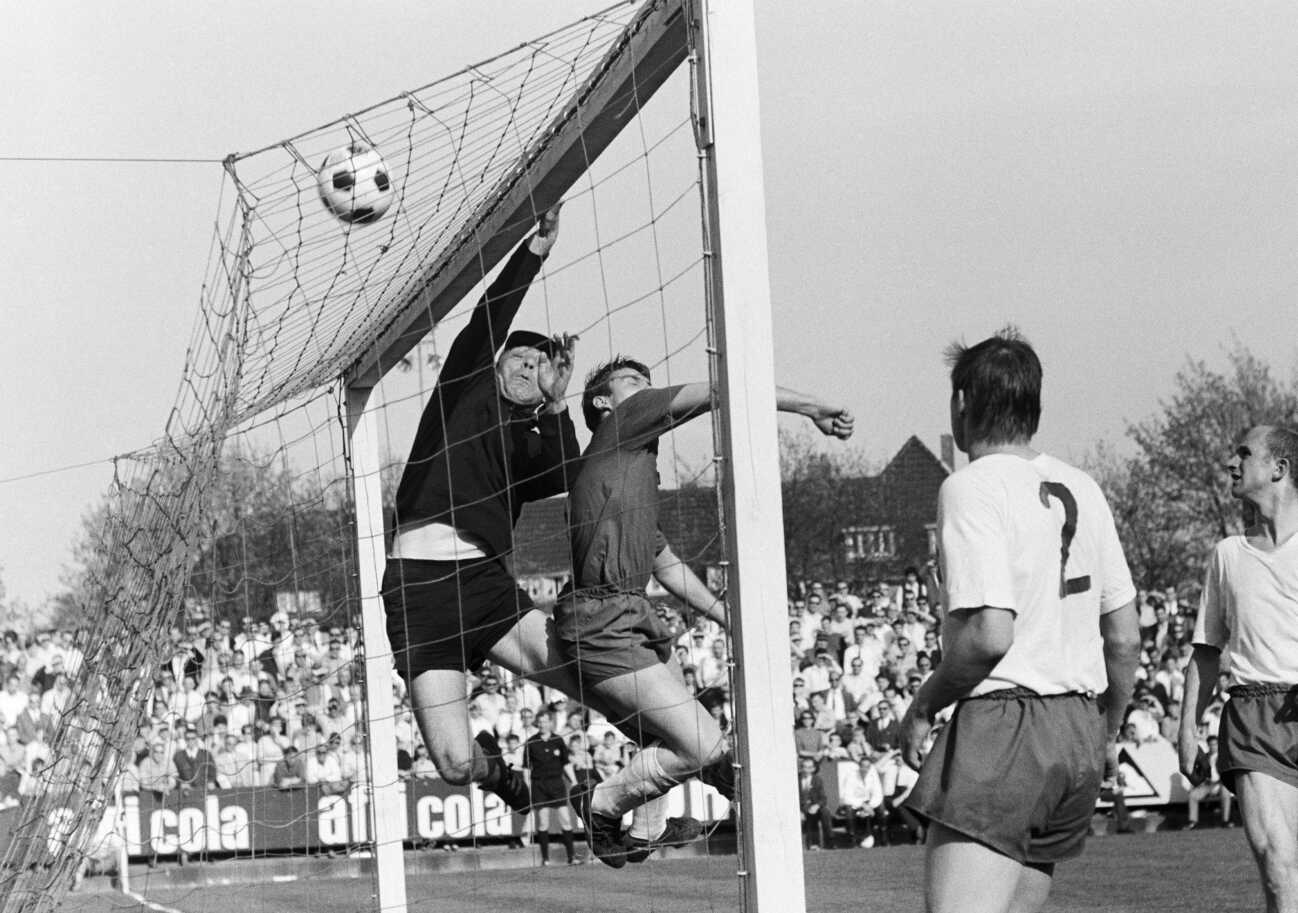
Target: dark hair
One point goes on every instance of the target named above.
(597, 385)
(1001, 381)
(1283, 445)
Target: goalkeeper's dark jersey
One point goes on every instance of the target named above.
(477, 457)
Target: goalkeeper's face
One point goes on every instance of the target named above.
(517, 371)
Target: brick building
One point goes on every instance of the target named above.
(892, 525)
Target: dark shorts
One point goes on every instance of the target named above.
(448, 614)
(549, 792)
(610, 634)
(1017, 772)
(1259, 732)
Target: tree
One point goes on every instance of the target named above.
(820, 501)
(265, 530)
(268, 531)
(1171, 499)
(1162, 547)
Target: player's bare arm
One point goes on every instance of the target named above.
(1200, 678)
(1120, 631)
(829, 419)
(678, 579)
(974, 641)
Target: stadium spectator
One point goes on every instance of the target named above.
(817, 818)
(857, 682)
(13, 699)
(156, 773)
(195, 768)
(608, 755)
(324, 770)
(807, 739)
(1210, 786)
(422, 766)
(33, 723)
(861, 795)
(290, 772)
(883, 731)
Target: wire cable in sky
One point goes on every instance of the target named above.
(112, 159)
(58, 469)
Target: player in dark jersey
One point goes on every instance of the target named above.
(545, 754)
(494, 434)
(622, 650)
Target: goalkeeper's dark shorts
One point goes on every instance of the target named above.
(1259, 732)
(1017, 772)
(448, 614)
(610, 633)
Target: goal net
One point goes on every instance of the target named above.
(240, 702)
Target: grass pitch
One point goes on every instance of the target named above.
(1207, 871)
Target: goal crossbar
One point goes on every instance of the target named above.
(653, 45)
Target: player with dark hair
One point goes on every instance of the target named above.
(494, 434)
(1250, 609)
(1040, 618)
(606, 624)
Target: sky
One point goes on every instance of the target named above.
(1119, 180)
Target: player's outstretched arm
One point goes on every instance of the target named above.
(832, 420)
(678, 579)
(1200, 679)
(694, 399)
(974, 641)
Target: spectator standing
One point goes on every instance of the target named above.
(816, 816)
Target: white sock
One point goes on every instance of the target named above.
(640, 781)
(649, 821)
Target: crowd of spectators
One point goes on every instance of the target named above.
(278, 703)
(858, 655)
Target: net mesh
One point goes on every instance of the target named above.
(226, 553)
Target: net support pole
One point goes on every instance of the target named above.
(387, 811)
(728, 130)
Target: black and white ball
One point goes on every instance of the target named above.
(355, 184)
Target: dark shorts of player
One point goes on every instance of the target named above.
(610, 633)
(549, 792)
(448, 614)
(1018, 772)
(1259, 732)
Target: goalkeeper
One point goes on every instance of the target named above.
(606, 625)
(494, 434)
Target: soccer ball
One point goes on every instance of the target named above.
(355, 184)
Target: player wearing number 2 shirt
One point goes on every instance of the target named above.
(1039, 645)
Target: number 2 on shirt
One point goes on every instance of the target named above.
(1067, 586)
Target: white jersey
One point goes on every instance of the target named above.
(1035, 537)
(1249, 609)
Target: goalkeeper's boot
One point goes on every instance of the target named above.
(502, 780)
(603, 832)
(679, 832)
